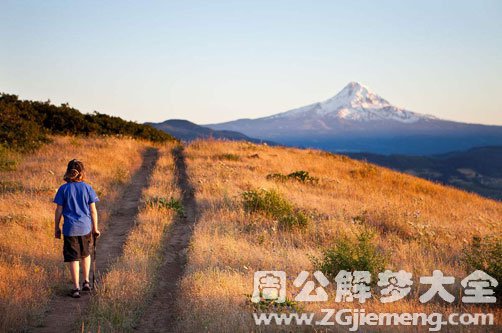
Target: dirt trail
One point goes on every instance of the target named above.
(65, 313)
(161, 314)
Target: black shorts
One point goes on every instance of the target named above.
(76, 247)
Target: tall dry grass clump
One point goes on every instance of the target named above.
(31, 263)
(127, 287)
(415, 225)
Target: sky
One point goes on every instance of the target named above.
(215, 61)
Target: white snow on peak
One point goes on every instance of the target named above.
(355, 102)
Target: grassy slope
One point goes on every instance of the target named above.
(421, 226)
(31, 264)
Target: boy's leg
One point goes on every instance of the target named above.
(86, 267)
(75, 272)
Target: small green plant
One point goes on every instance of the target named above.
(163, 203)
(295, 219)
(228, 157)
(272, 204)
(267, 201)
(300, 176)
(484, 254)
(303, 176)
(352, 255)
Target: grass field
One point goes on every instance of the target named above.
(258, 208)
(419, 226)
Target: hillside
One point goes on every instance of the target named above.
(27, 124)
(185, 228)
(478, 169)
(418, 226)
(188, 131)
(357, 119)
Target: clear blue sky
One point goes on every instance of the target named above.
(211, 61)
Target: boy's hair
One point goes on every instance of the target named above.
(75, 171)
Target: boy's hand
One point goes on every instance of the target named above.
(96, 233)
(57, 233)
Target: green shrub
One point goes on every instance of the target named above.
(300, 175)
(272, 204)
(360, 254)
(485, 254)
(295, 219)
(303, 176)
(267, 201)
(163, 203)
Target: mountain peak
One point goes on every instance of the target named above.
(355, 85)
(357, 103)
(355, 95)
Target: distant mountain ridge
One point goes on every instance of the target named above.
(188, 131)
(477, 169)
(357, 119)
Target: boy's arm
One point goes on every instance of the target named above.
(57, 220)
(94, 217)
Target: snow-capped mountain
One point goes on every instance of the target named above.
(357, 119)
(354, 102)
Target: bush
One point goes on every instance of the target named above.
(484, 254)
(352, 255)
(272, 204)
(163, 203)
(295, 219)
(300, 175)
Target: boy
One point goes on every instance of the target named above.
(76, 202)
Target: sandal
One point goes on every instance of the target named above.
(86, 286)
(75, 293)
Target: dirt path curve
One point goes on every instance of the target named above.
(161, 314)
(65, 313)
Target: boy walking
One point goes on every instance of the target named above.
(76, 202)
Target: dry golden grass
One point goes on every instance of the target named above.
(31, 264)
(125, 290)
(422, 226)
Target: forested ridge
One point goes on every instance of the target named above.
(26, 124)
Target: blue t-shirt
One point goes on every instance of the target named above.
(75, 197)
